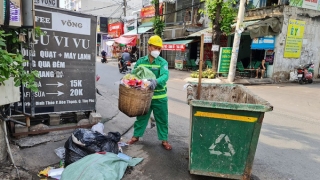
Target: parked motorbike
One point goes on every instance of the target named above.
(305, 73)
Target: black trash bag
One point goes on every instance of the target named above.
(73, 152)
(112, 144)
(84, 142)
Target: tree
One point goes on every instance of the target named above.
(221, 15)
(158, 23)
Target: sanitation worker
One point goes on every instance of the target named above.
(159, 103)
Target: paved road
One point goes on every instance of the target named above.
(289, 144)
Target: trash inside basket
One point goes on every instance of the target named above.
(134, 102)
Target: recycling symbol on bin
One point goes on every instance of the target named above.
(219, 141)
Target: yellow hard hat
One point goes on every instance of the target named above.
(155, 40)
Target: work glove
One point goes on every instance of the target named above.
(153, 84)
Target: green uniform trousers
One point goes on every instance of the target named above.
(160, 112)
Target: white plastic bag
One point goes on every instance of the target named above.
(60, 152)
(293, 76)
(98, 127)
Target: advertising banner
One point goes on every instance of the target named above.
(174, 47)
(65, 58)
(266, 42)
(308, 4)
(224, 60)
(103, 22)
(294, 39)
(130, 23)
(115, 30)
(149, 11)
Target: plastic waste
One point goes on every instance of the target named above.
(55, 172)
(98, 128)
(293, 76)
(124, 156)
(84, 142)
(45, 171)
(143, 73)
(60, 152)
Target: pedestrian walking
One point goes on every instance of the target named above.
(159, 103)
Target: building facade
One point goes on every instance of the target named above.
(296, 35)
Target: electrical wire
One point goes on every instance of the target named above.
(182, 9)
(88, 10)
(115, 11)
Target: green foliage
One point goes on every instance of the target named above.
(38, 31)
(227, 14)
(11, 64)
(158, 25)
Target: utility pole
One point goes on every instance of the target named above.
(236, 42)
(124, 8)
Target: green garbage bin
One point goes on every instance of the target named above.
(224, 131)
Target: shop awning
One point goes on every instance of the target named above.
(126, 40)
(266, 42)
(141, 30)
(267, 27)
(179, 45)
(198, 34)
(109, 43)
(147, 24)
(245, 24)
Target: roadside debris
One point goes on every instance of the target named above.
(45, 172)
(98, 128)
(84, 142)
(97, 166)
(51, 172)
(124, 156)
(60, 152)
(89, 154)
(55, 173)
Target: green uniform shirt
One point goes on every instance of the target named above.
(159, 67)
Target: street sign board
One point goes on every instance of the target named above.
(48, 3)
(65, 58)
(208, 38)
(224, 60)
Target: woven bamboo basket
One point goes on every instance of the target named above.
(134, 102)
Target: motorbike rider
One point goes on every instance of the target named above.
(124, 57)
(104, 55)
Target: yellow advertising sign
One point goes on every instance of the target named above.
(294, 39)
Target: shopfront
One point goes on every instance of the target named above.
(177, 53)
(263, 48)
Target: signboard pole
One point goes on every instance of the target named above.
(200, 66)
(32, 104)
